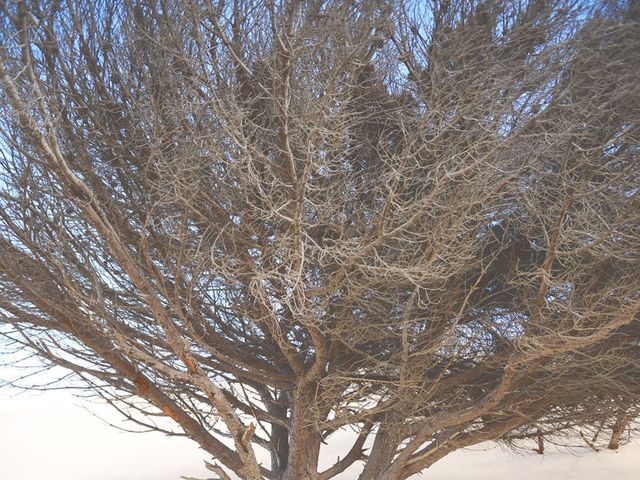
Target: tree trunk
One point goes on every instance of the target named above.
(540, 438)
(381, 454)
(303, 457)
(304, 441)
(280, 450)
(618, 432)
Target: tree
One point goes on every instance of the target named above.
(270, 221)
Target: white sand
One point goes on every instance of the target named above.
(50, 438)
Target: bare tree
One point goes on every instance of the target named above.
(270, 221)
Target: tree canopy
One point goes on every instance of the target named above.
(270, 221)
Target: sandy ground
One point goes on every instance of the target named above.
(51, 437)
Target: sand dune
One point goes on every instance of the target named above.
(51, 438)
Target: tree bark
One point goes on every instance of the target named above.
(381, 454)
(280, 450)
(540, 439)
(304, 441)
(618, 432)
